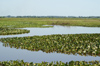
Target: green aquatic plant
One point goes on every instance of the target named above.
(71, 63)
(82, 44)
(10, 31)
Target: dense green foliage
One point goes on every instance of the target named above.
(71, 63)
(87, 44)
(7, 31)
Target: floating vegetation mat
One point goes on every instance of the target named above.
(71, 63)
(11, 31)
(82, 44)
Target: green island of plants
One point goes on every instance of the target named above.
(71, 63)
(82, 44)
(11, 31)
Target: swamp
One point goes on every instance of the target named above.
(49, 41)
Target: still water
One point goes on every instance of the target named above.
(56, 29)
(7, 53)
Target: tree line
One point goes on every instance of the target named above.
(49, 16)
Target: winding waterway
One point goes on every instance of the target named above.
(7, 53)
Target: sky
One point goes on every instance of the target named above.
(50, 7)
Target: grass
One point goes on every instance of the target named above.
(38, 22)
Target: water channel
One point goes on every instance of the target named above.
(7, 53)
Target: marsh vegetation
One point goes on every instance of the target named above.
(38, 22)
(82, 44)
(12, 31)
(71, 63)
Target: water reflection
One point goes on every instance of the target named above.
(56, 30)
(7, 53)
(69, 52)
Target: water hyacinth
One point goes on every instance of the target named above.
(71, 63)
(82, 44)
(10, 31)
